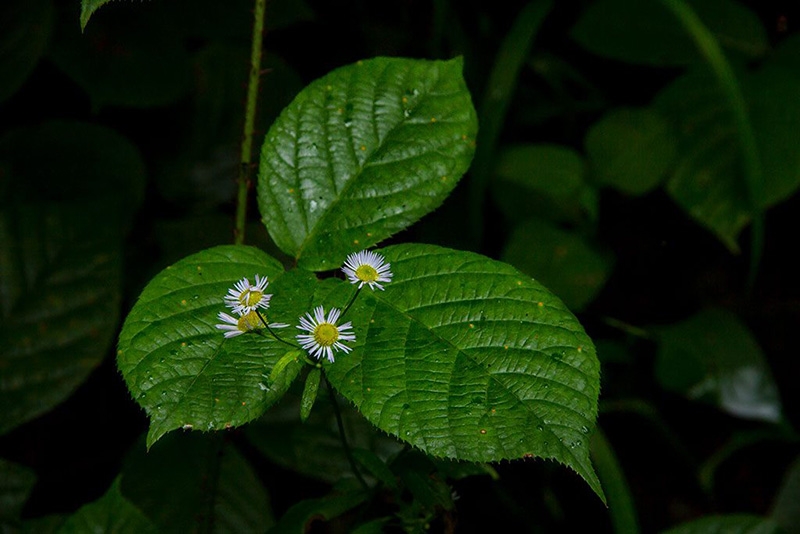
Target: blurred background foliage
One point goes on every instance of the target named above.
(611, 166)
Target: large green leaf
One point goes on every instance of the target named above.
(60, 295)
(177, 364)
(362, 153)
(466, 357)
(25, 27)
(712, 355)
(647, 32)
(189, 483)
(631, 149)
(299, 518)
(16, 483)
(786, 508)
(111, 513)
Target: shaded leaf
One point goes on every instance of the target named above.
(631, 149)
(25, 27)
(282, 438)
(298, 519)
(563, 261)
(621, 506)
(637, 32)
(192, 482)
(309, 393)
(786, 508)
(177, 364)
(712, 355)
(16, 483)
(111, 513)
(127, 57)
(465, 357)
(727, 524)
(85, 162)
(60, 295)
(362, 153)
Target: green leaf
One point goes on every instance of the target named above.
(712, 355)
(177, 364)
(190, 482)
(706, 180)
(637, 32)
(309, 393)
(88, 7)
(111, 513)
(621, 506)
(84, 163)
(282, 438)
(16, 483)
(563, 261)
(25, 27)
(298, 519)
(786, 508)
(60, 296)
(127, 57)
(465, 357)
(362, 153)
(631, 149)
(727, 524)
(545, 179)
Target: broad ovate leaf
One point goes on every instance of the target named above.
(110, 513)
(177, 364)
(362, 153)
(60, 293)
(466, 357)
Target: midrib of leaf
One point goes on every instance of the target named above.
(354, 178)
(491, 376)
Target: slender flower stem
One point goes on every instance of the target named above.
(350, 302)
(272, 332)
(342, 435)
(245, 167)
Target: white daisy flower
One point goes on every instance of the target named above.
(323, 334)
(367, 267)
(244, 298)
(235, 326)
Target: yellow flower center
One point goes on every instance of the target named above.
(367, 273)
(325, 334)
(251, 321)
(250, 297)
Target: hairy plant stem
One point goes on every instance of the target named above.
(342, 436)
(245, 165)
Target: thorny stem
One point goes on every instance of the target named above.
(245, 166)
(342, 435)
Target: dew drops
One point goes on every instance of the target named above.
(585, 429)
(195, 297)
(162, 360)
(142, 395)
(164, 393)
(540, 428)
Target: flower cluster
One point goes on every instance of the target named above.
(322, 336)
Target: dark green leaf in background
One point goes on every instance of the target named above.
(25, 27)
(191, 482)
(60, 295)
(299, 518)
(712, 355)
(727, 524)
(786, 507)
(16, 483)
(630, 149)
(645, 32)
(362, 153)
(466, 357)
(562, 261)
(85, 162)
(126, 57)
(111, 513)
(179, 367)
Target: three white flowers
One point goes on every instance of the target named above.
(322, 335)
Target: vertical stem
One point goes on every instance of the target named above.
(340, 424)
(245, 167)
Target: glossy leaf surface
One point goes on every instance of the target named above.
(178, 365)
(362, 153)
(466, 357)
